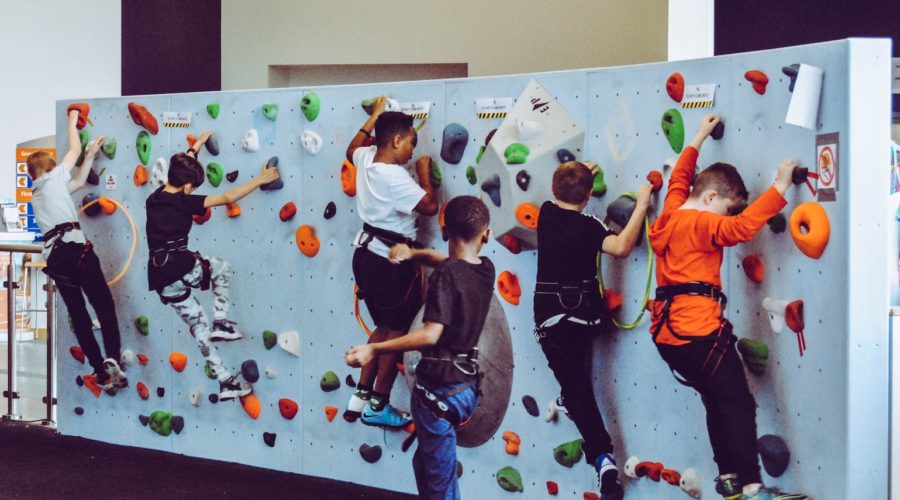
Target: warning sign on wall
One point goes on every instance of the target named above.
(827, 167)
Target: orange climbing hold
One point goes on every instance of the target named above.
(512, 442)
(106, 205)
(307, 241)
(652, 470)
(613, 299)
(758, 79)
(142, 359)
(143, 391)
(251, 405)
(200, 219)
(143, 118)
(508, 286)
(288, 408)
(810, 229)
(90, 381)
(234, 210)
(77, 353)
(348, 178)
(590, 495)
(331, 412)
(754, 268)
(140, 175)
(670, 476)
(675, 87)
(288, 211)
(655, 178)
(441, 221)
(527, 214)
(191, 139)
(178, 361)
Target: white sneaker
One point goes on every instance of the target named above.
(225, 330)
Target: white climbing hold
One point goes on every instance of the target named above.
(250, 142)
(691, 484)
(529, 129)
(553, 411)
(776, 309)
(128, 357)
(630, 467)
(159, 173)
(391, 105)
(311, 142)
(195, 397)
(290, 342)
(270, 372)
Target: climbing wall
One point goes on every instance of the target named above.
(279, 289)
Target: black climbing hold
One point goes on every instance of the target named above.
(79, 410)
(792, 71)
(349, 381)
(232, 176)
(276, 184)
(370, 454)
(144, 420)
(487, 140)
(330, 210)
(269, 438)
(177, 424)
(79, 381)
(530, 405)
(250, 371)
(774, 454)
(160, 391)
(523, 179)
(620, 210)
(459, 469)
(93, 209)
(93, 179)
(799, 175)
(564, 155)
(778, 223)
(212, 145)
(718, 131)
(213, 398)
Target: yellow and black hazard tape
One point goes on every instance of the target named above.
(419, 116)
(696, 104)
(176, 125)
(501, 114)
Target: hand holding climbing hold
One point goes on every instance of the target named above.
(311, 142)
(621, 209)
(251, 405)
(214, 173)
(434, 173)
(718, 131)
(307, 241)
(329, 382)
(754, 268)
(774, 454)
(508, 286)
(143, 391)
(330, 210)
(331, 412)
(755, 355)
(195, 397)
(673, 127)
(109, 148)
(250, 141)
(200, 219)
(142, 323)
(140, 175)
(161, 422)
(232, 210)
(77, 353)
(675, 87)
(530, 405)
(528, 130)
(370, 454)
(516, 153)
(277, 183)
(599, 187)
(655, 178)
(778, 223)
(470, 175)
(453, 146)
(290, 342)
(178, 361)
(310, 106)
(85, 138)
(523, 179)
(527, 215)
(510, 480)
(691, 484)
(250, 371)
(492, 188)
(512, 442)
(799, 175)
(288, 408)
(288, 211)
(270, 111)
(568, 454)
(810, 229)
(791, 72)
(348, 178)
(758, 79)
(143, 145)
(143, 118)
(84, 109)
(213, 110)
(212, 145)
(159, 173)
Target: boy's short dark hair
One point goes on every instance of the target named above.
(466, 217)
(572, 182)
(185, 169)
(391, 124)
(722, 178)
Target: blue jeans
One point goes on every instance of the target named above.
(434, 462)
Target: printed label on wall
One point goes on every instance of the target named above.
(493, 107)
(702, 95)
(827, 167)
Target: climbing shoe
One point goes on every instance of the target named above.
(225, 330)
(774, 494)
(358, 401)
(232, 388)
(388, 417)
(608, 475)
(729, 487)
(115, 378)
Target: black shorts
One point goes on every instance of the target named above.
(392, 292)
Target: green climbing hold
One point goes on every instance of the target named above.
(109, 148)
(470, 175)
(270, 338)
(214, 173)
(568, 454)
(329, 382)
(479, 155)
(516, 153)
(85, 139)
(510, 480)
(210, 373)
(755, 354)
(270, 111)
(367, 104)
(436, 177)
(599, 183)
(213, 110)
(673, 127)
(161, 422)
(310, 105)
(143, 145)
(142, 323)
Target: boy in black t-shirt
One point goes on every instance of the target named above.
(174, 270)
(456, 307)
(568, 307)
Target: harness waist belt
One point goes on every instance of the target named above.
(465, 362)
(170, 246)
(61, 229)
(389, 238)
(695, 288)
(553, 288)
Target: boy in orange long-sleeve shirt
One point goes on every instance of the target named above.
(689, 329)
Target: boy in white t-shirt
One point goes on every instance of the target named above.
(387, 200)
(70, 257)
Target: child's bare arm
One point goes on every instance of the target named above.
(74, 141)
(428, 256)
(426, 336)
(620, 245)
(707, 124)
(359, 139)
(267, 175)
(90, 153)
(428, 204)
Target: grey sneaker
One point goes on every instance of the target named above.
(225, 330)
(233, 387)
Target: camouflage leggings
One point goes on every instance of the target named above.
(192, 313)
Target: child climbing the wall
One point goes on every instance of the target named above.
(446, 391)
(568, 308)
(690, 331)
(387, 200)
(174, 270)
(70, 257)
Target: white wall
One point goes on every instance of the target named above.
(49, 50)
(691, 29)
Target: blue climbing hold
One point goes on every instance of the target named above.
(456, 137)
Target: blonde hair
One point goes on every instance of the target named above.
(39, 162)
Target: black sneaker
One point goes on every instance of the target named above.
(232, 388)
(608, 475)
(225, 330)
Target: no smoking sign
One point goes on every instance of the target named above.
(827, 167)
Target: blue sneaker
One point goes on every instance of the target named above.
(774, 494)
(608, 475)
(388, 417)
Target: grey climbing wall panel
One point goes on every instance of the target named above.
(277, 288)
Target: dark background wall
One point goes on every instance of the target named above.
(171, 46)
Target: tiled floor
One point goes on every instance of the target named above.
(31, 370)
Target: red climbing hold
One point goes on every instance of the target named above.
(793, 316)
(655, 178)
(670, 476)
(83, 109)
(513, 244)
(90, 381)
(143, 391)
(675, 87)
(288, 211)
(754, 268)
(142, 359)
(613, 299)
(758, 79)
(143, 118)
(590, 495)
(508, 286)
(348, 178)
(552, 488)
(288, 408)
(331, 412)
(652, 470)
(200, 219)
(233, 210)
(77, 353)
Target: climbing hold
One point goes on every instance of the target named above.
(718, 131)
(564, 155)
(178, 361)
(492, 188)
(142, 323)
(523, 179)
(508, 286)
(673, 127)
(269, 439)
(251, 405)
(528, 130)
(552, 488)
(675, 87)
(389, 105)
(270, 111)
(159, 173)
(177, 424)
(799, 175)
(143, 391)
(776, 309)
(270, 338)
(107, 206)
(509, 479)
(109, 148)
(288, 408)
(195, 397)
(629, 467)
(778, 223)
(516, 153)
(810, 229)
(128, 357)
(530, 405)
(310, 106)
(590, 495)
(331, 412)
(213, 398)
(691, 484)
(599, 187)
(791, 72)
(655, 178)
(650, 470)
(370, 454)
(277, 183)
(453, 146)
(512, 442)
(200, 219)
(527, 215)
(90, 381)
(250, 371)
(290, 342)
(754, 268)
(459, 469)
(311, 142)
(160, 392)
(84, 109)
(93, 179)
(250, 141)
(79, 410)
(755, 355)
(142, 359)
(191, 140)
(307, 241)
(77, 353)
(140, 175)
(85, 138)
(349, 380)
(143, 118)
(212, 145)
(513, 244)
(613, 299)
(436, 177)
(144, 419)
(270, 372)
(288, 211)
(208, 370)
(213, 110)
(470, 175)
(758, 79)
(793, 316)
(348, 178)
(329, 382)
(330, 210)
(79, 381)
(670, 476)
(161, 422)
(568, 454)
(232, 176)
(232, 210)
(774, 453)
(621, 209)
(143, 145)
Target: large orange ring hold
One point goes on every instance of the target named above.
(109, 206)
(810, 229)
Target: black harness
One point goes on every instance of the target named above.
(61, 229)
(159, 257)
(389, 238)
(571, 297)
(62, 279)
(459, 368)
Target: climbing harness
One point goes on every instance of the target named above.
(571, 298)
(179, 246)
(134, 237)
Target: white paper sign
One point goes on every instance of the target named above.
(493, 107)
(110, 182)
(174, 119)
(701, 95)
(804, 108)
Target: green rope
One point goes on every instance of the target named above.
(637, 321)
